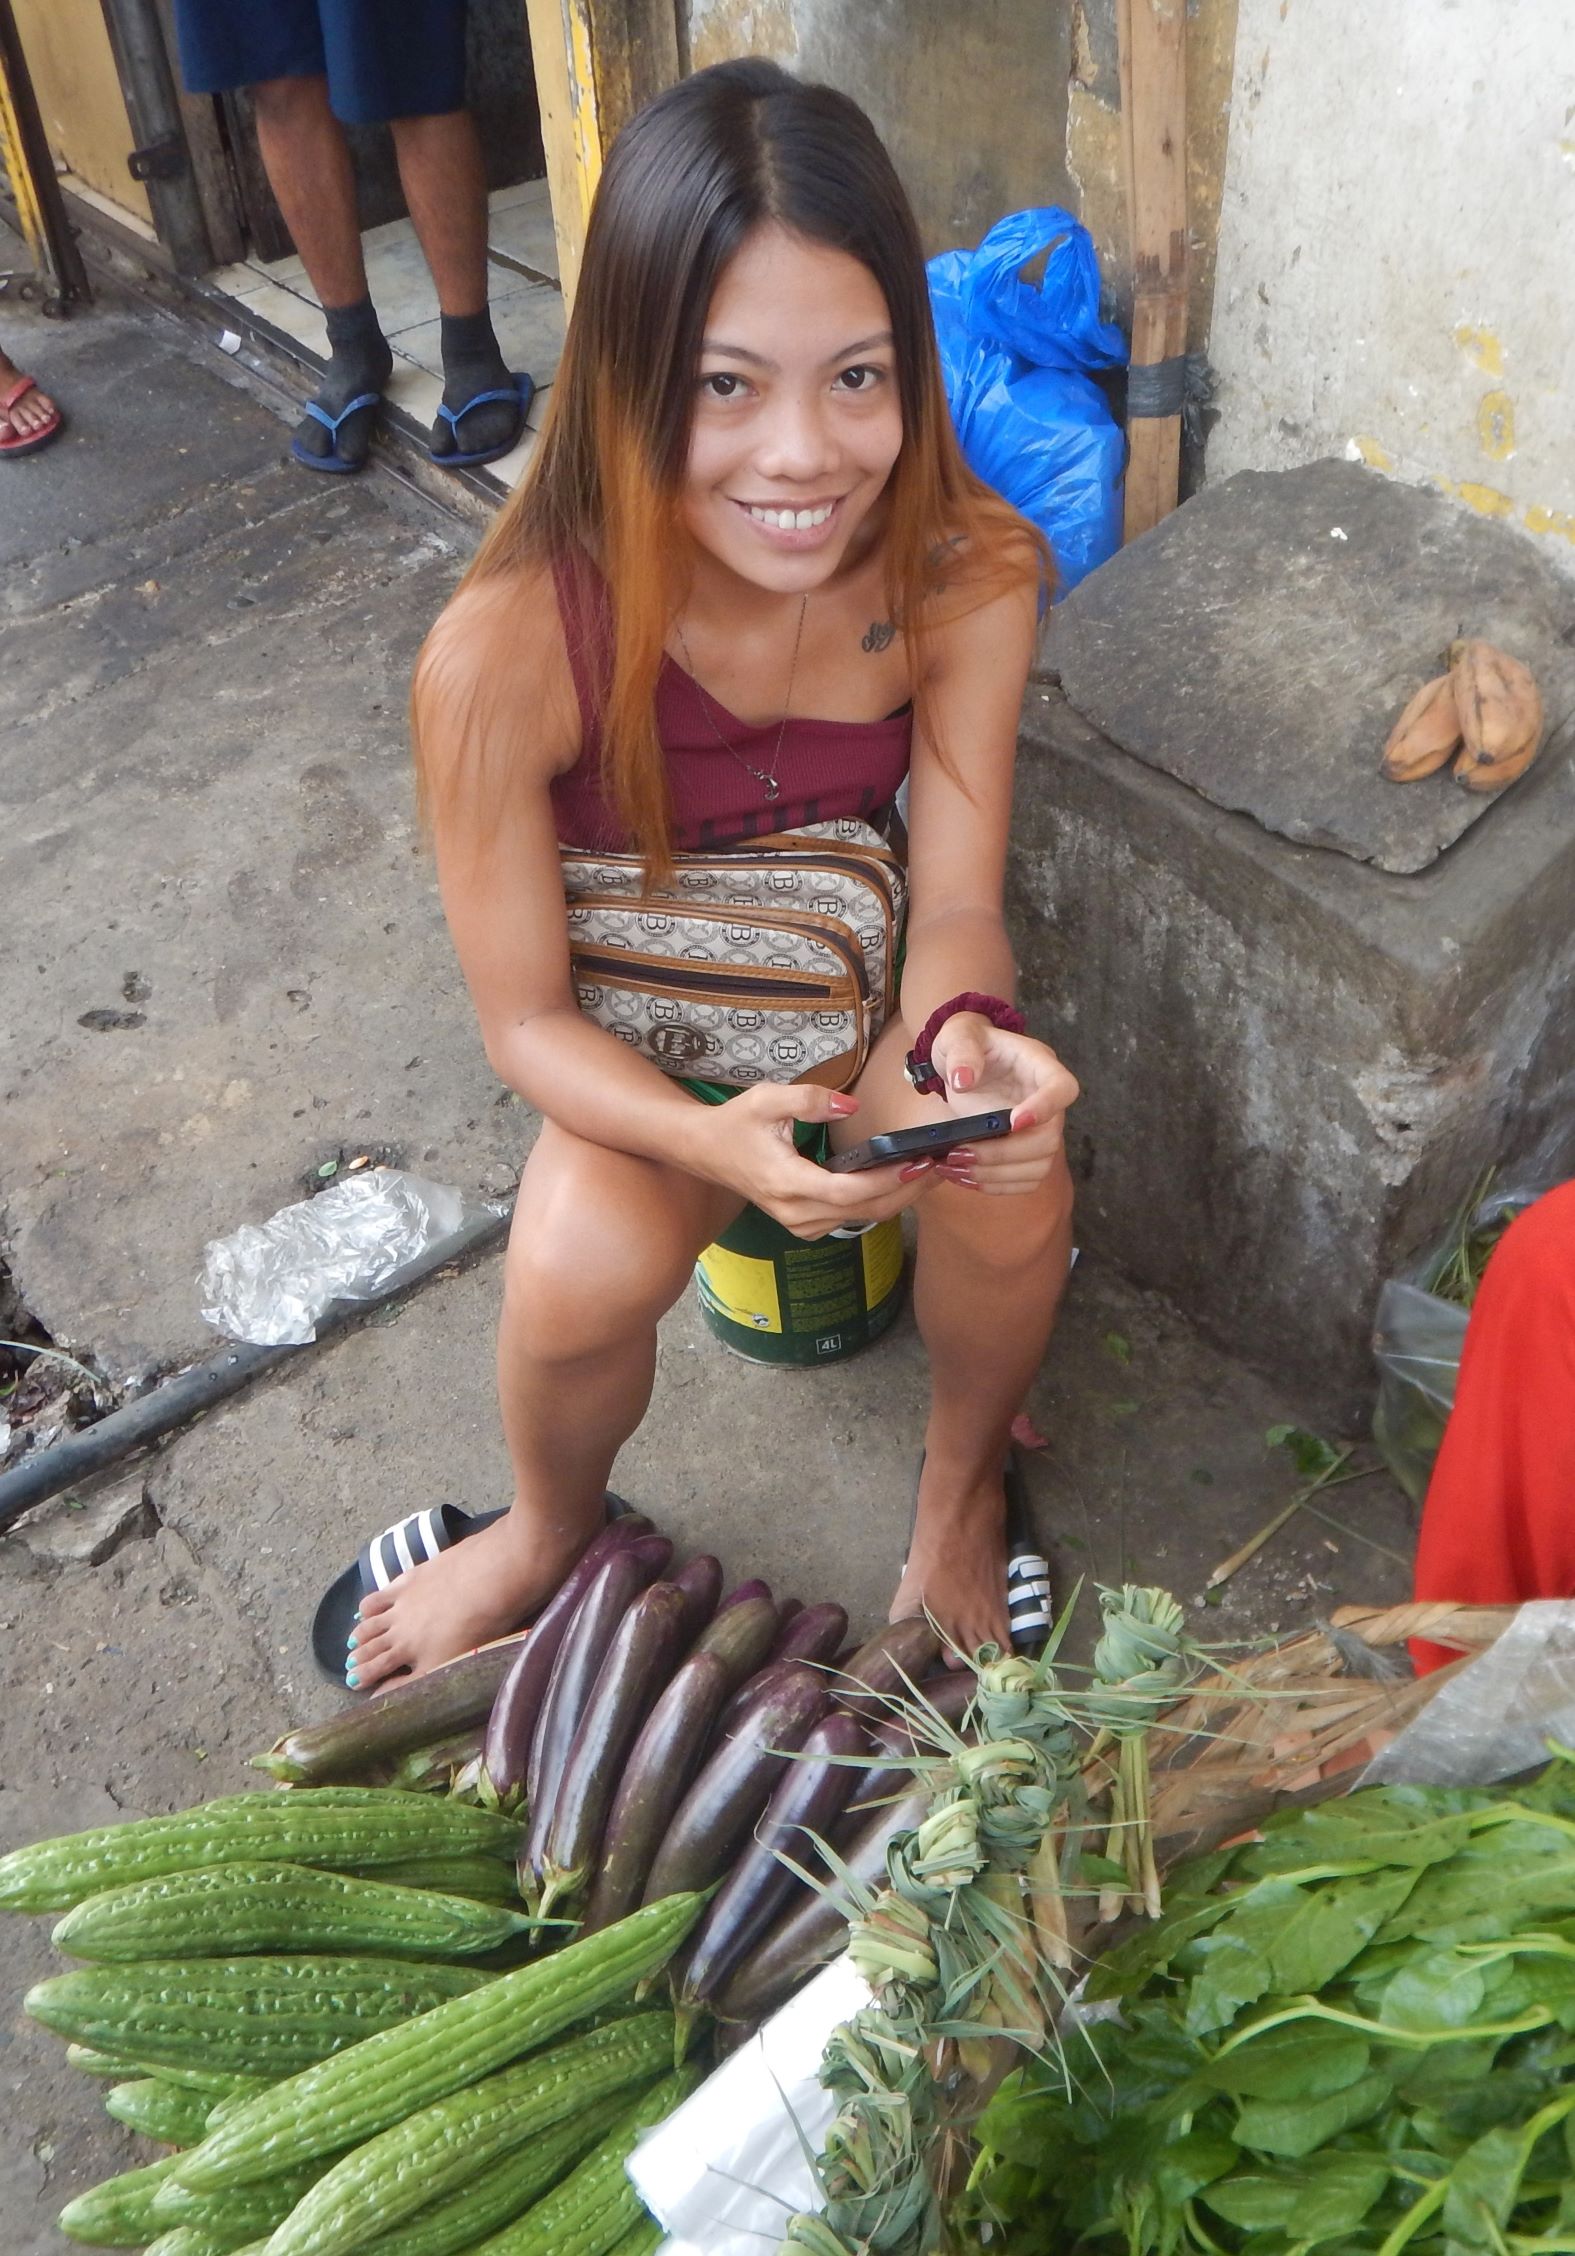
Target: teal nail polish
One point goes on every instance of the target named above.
(353, 1680)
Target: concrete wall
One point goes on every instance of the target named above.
(1397, 247)
(971, 101)
(997, 105)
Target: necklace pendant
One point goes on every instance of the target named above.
(773, 788)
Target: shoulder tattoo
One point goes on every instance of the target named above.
(882, 634)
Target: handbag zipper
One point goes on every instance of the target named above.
(632, 970)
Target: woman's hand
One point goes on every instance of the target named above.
(987, 1070)
(747, 1145)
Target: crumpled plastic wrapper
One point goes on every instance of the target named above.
(1496, 1717)
(272, 1282)
(726, 2171)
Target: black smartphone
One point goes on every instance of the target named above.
(928, 1142)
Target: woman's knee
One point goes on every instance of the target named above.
(1008, 1234)
(586, 1270)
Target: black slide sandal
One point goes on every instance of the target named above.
(1028, 1600)
(407, 1543)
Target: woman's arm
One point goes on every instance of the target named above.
(960, 810)
(496, 720)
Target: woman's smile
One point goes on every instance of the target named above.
(793, 525)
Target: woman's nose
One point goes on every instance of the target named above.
(796, 443)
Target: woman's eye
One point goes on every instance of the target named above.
(722, 384)
(860, 379)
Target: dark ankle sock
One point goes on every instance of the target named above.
(359, 360)
(472, 358)
(473, 362)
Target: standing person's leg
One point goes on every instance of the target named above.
(307, 159)
(602, 1245)
(445, 185)
(403, 61)
(275, 48)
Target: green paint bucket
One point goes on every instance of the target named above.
(777, 1299)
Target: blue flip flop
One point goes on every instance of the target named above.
(333, 461)
(522, 390)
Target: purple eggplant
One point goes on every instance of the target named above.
(740, 1636)
(814, 1633)
(639, 1662)
(700, 1580)
(815, 1927)
(518, 1699)
(886, 1667)
(666, 1756)
(949, 1695)
(361, 1742)
(744, 1593)
(808, 1798)
(617, 1583)
(723, 1806)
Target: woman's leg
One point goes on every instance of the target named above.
(602, 1245)
(989, 1279)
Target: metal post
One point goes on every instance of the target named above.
(161, 160)
(27, 164)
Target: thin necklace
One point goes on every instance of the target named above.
(765, 776)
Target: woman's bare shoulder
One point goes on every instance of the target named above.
(495, 661)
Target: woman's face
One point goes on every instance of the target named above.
(797, 421)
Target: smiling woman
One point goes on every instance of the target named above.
(748, 590)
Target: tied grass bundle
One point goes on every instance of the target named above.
(1140, 1665)
(968, 1941)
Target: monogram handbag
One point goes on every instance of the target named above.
(771, 961)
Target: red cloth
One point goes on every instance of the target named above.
(826, 769)
(1499, 1523)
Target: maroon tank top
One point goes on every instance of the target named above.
(827, 769)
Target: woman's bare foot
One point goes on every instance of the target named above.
(474, 1591)
(957, 1563)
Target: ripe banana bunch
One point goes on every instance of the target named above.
(1486, 710)
(1500, 715)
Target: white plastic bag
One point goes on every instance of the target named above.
(729, 2168)
(272, 1282)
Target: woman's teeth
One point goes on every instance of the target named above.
(791, 520)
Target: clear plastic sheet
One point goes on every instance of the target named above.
(272, 1282)
(1417, 1338)
(1496, 1717)
(732, 2165)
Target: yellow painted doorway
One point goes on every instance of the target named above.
(77, 89)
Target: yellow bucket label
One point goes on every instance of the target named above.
(881, 1249)
(741, 1288)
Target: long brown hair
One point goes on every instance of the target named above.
(728, 150)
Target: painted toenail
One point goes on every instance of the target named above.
(353, 1680)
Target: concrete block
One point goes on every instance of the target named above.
(1294, 1064)
(83, 1531)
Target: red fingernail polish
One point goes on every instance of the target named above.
(913, 1168)
(962, 1077)
(961, 1155)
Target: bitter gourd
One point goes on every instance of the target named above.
(340, 2103)
(220, 1910)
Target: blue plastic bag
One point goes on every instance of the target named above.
(1015, 359)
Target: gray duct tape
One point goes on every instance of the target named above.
(1158, 389)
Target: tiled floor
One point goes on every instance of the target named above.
(527, 306)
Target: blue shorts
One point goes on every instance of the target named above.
(382, 58)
